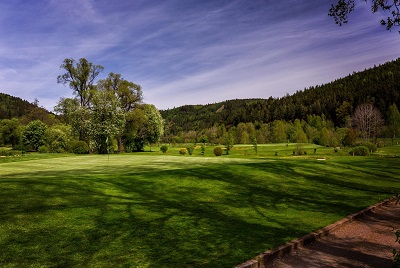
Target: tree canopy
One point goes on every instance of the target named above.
(341, 10)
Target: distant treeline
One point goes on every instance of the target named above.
(335, 101)
(14, 107)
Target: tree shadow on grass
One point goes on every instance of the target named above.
(206, 216)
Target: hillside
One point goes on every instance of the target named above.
(16, 107)
(379, 85)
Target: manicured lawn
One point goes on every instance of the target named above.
(151, 210)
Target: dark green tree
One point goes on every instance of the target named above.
(10, 131)
(80, 76)
(393, 121)
(33, 135)
(343, 8)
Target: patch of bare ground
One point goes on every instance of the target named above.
(364, 242)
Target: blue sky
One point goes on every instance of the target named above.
(186, 51)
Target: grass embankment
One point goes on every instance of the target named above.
(170, 211)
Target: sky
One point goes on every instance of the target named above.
(188, 51)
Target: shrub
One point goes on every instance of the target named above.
(371, 146)
(183, 151)
(7, 152)
(218, 151)
(359, 151)
(190, 150)
(43, 149)
(80, 147)
(164, 148)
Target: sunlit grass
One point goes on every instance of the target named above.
(154, 210)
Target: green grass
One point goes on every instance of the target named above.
(153, 210)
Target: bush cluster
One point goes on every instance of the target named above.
(183, 151)
(359, 151)
(43, 149)
(371, 146)
(5, 152)
(80, 147)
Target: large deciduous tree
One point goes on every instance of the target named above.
(368, 121)
(80, 76)
(75, 115)
(145, 125)
(128, 93)
(343, 8)
(106, 120)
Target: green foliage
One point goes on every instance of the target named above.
(255, 147)
(8, 152)
(106, 120)
(228, 141)
(183, 151)
(359, 151)
(144, 126)
(350, 137)
(164, 148)
(300, 149)
(33, 135)
(10, 132)
(190, 150)
(330, 102)
(371, 146)
(80, 76)
(14, 107)
(57, 138)
(43, 149)
(393, 121)
(218, 151)
(80, 147)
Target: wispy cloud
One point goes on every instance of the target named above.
(186, 52)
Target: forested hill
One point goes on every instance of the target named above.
(11, 107)
(379, 85)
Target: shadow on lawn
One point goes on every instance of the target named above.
(206, 216)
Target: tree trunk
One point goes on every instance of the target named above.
(120, 144)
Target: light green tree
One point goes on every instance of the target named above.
(106, 120)
(279, 131)
(229, 141)
(58, 137)
(128, 93)
(154, 126)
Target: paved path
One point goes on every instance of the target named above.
(365, 242)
